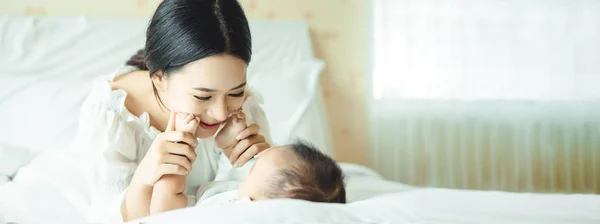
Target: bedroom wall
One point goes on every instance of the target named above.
(338, 29)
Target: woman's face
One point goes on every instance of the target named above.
(210, 88)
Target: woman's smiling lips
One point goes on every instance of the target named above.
(209, 126)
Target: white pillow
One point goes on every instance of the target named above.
(11, 160)
(46, 68)
(287, 90)
(66, 46)
(4, 179)
(41, 115)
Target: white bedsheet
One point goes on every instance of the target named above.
(415, 206)
(376, 200)
(50, 189)
(39, 194)
(462, 206)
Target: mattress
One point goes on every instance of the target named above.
(426, 205)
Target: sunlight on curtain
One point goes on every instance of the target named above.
(487, 94)
(487, 49)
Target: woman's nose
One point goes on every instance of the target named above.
(219, 111)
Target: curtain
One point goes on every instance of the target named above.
(487, 94)
(487, 49)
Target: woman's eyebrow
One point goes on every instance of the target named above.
(214, 90)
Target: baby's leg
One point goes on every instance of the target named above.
(225, 139)
(186, 122)
(167, 194)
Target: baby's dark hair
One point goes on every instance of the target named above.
(316, 177)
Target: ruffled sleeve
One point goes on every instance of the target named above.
(108, 140)
(255, 113)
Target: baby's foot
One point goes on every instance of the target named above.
(186, 122)
(233, 126)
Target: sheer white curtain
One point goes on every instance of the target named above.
(487, 49)
(487, 94)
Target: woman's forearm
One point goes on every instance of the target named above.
(137, 202)
(168, 194)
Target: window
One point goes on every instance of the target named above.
(486, 49)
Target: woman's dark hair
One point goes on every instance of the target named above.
(183, 31)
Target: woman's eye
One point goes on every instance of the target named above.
(237, 94)
(202, 98)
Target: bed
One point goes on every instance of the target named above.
(46, 68)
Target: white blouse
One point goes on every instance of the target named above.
(115, 141)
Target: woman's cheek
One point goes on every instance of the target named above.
(176, 104)
(236, 104)
(192, 107)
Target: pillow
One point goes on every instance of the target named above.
(11, 160)
(66, 46)
(47, 65)
(3, 180)
(41, 115)
(287, 90)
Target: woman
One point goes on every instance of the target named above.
(194, 61)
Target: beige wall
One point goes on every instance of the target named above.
(338, 30)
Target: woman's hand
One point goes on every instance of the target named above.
(172, 152)
(250, 143)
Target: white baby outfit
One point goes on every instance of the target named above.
(115, 141)
(219, 192)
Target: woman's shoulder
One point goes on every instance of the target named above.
(103, 91)
(106, 101)
(102, 96)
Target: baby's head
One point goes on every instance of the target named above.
(298, 171)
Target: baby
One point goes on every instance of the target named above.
(298, 171)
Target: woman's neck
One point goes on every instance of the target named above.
(141, 98)
(159, 115)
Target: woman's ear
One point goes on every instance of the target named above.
(160, 81)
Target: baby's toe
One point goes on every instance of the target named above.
(180, 116)
(239, 121)
(194, 121)
(242, 115)
(188, 118)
